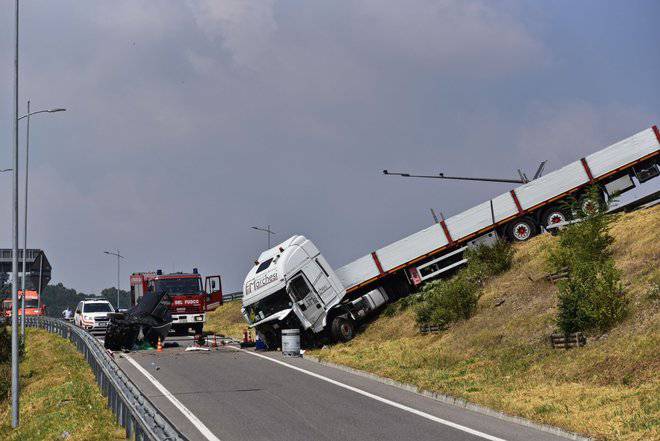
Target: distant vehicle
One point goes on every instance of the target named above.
(92, 315)
(189, 300)
(293, 286)
(33, 305)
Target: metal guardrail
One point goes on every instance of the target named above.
(132, 409)
(232, 296)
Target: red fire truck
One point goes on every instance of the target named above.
(190, 301)
(33, 306)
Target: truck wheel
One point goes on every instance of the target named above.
(555, 215)
(590, 206)
(198, 328)
(343, 329)
(522, 229)
(397, 287)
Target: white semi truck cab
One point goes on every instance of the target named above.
(292, 286)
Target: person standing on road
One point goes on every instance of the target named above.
(67, 314)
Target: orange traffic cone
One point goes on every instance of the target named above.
(215, 342)
(159, 347)
(245, 336)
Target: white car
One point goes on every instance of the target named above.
(92, 315)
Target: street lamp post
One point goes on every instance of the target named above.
(118, 256)
(267, 231)
(25, 217)
(14, 228)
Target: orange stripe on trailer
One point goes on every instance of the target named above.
(516, 201)
(446, 230)
(377, 261)
(587, 169)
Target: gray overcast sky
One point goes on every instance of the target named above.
(189, 121)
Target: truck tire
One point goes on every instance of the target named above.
(397, 287)
(555, 215)
(198, 328)
(342, 329)
(522, 229)
(589, 205)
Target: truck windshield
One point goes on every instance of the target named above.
(31, 303)
(97, 307)
(268, 306)
(179, 286)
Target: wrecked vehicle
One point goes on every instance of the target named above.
(148, 321)
(292, 286)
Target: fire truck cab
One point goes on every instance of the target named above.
(33, 305)
(190, 301)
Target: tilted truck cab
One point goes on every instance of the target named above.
(292, 286)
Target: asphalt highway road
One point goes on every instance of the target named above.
(230, 394)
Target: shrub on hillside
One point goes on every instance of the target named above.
(444, 301)
(592, 298)
(485, 261)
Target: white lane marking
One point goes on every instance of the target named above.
(428, 416)
(184, 410)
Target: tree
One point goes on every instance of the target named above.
(592, 298)
(111, 295)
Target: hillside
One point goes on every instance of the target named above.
(501, 357)
(227, 320)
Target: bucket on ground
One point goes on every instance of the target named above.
(291, 342)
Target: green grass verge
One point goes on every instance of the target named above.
(227, 320)
(59, 395)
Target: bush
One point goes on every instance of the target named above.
(486, 261)
(591, 299)
(446, 301)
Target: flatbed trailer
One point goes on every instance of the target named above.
(535, 202)
(292, 285)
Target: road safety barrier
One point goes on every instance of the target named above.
(132, 409)
(232, 296)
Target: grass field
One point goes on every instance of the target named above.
(501, 358)
(227, 320)
(59, 396)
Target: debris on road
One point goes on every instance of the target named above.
(197, 348)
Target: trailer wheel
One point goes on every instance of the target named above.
(343, 329)
(555, 215)
(590, 206)
(522, 229)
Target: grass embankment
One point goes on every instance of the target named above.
(501, 357)
(227, 320)
(59, 395)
